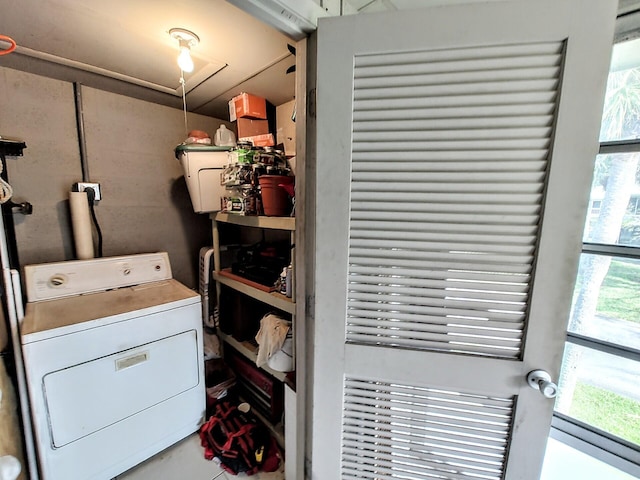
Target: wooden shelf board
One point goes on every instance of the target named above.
(227, 273)
(275, 299)
(276, 223)
(250, 352)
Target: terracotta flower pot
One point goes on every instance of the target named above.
(275, 199)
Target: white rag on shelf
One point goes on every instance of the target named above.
(271, 336)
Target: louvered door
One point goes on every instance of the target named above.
(454, 153)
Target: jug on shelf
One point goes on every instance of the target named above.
(224, 137)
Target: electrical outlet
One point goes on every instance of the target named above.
(82, 186)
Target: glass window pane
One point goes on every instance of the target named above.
(614, 207)
(601, 390)
(621, 114)
(606, 303)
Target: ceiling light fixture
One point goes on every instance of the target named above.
(186, 40)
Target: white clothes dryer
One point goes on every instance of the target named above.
(113, 357)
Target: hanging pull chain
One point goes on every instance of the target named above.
(184, 104)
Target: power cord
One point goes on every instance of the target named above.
(91, 197)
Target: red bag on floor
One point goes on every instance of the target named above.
(238, 441)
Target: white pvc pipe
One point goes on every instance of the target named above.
(16, 314)
(91, 68)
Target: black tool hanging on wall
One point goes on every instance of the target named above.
(12, 148)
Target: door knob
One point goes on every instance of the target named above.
(541, 380)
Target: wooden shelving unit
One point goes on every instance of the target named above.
(257, 292)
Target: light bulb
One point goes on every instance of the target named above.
(185, 62)
(186, 39)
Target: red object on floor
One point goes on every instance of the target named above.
(238, 441)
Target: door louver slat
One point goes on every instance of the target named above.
(465, 255)
(415, 336)
(487, 178)
(461, 238)
(451, 78)
(478, 247)
(460, 286)
(440, 140)
(434, 327)
(428, 66)
(514, 231)
(454, 56)
(454, 295)
(454, 112)
(452, 261)
(408, 104)
(442, 424)
(400, 431)
(448, 169)
(448, 187)
(428, 437)
(452, 315)
(385, 452)
(430, 298)
(453, 123)
(449, 155)
(446, 144)
(477, 347)
(531, 166)
(428, 90)
(453, 322)
(437, 217)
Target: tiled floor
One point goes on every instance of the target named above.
(185, 461)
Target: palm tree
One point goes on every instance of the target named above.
(617, 173)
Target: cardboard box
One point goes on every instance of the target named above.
(247, 105)
(286, 132)
(250, 127)
(266, 140)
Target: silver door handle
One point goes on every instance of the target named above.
(541, 380)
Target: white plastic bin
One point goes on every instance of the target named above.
(202, 166)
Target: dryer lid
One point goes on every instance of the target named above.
(68, 315)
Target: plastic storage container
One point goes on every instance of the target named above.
(202, 166)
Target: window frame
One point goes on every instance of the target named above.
(586, 438)
(596, 443)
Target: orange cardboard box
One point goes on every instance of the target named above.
(266, 140)
(250, 127)
(247, 105)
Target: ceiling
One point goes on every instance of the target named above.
(124, 46)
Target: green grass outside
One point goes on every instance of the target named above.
(619, 292)
(607, 411)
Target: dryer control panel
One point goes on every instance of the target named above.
(47, 281)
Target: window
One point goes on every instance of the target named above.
(598, 407)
